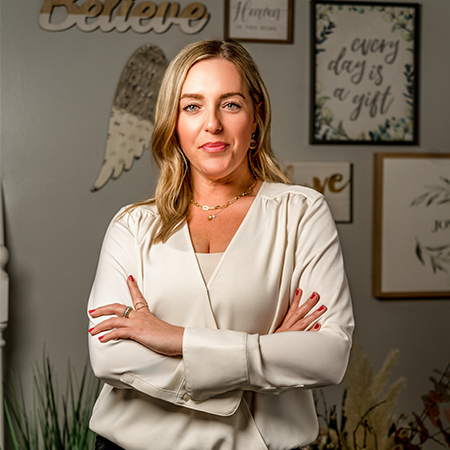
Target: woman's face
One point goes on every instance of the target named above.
(215, 120)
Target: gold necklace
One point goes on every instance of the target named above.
(225, 205)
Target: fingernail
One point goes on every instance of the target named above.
(100, 338)
(91, 311)
(321, 308)
(131, 278)
(297, 291)
(90, 329)
(316, 326)
(312, 295)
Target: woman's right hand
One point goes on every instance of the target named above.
(301, 318)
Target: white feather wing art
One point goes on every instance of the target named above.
(133, 112)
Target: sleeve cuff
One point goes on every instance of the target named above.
(215, 361)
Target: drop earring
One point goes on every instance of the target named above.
(253, 143)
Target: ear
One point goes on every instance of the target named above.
(257, 112)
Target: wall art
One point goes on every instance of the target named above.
(259, 20)
(122, 15)
(332, 179)
(411, 255)
(132, 115)
(364, 80)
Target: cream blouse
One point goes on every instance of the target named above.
(287, 240)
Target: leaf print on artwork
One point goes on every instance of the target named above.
(403, 20)
(435, 194)
(438, 256)
(324, 25)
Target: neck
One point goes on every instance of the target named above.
(222, 190)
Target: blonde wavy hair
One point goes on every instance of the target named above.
(173, 191)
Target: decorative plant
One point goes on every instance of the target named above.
(366, 419)
(418, 431)
(55, 423)
(367, 407)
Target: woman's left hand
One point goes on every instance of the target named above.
(140, 325)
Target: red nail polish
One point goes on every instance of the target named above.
(100, 338)
(90, 329)
(131, 278)
(312, 295)
(91, 311)
(297, 291)
(321, 308)
(316, 326)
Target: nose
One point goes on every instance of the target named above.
(212, 122)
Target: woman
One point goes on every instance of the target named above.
(199, 325)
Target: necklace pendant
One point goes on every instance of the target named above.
(211, 217)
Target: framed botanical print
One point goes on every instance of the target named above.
(411, 253)
(364, 73)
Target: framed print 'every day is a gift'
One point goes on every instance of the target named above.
(364, 81)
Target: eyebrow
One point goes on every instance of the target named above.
(224, 96)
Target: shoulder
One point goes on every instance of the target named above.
(137, 212)
(296, 203)
(136, 219)
(274, 191)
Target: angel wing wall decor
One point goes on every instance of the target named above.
(133, 112)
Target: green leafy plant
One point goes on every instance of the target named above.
(55, 423)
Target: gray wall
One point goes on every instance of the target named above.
(56, 93)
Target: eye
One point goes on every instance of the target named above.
(232, 106)
(190, 108)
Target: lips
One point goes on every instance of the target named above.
(214, 147)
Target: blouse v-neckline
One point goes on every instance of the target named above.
(229, 246)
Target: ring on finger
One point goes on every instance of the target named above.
(144, 305)
(127, 311)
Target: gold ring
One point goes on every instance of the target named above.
(140, 303)
(144, 305)
(127, 311)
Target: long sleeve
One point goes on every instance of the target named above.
(126, 364)
(116, 361)
(219, 360)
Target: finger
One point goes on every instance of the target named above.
(135, 292)
(316, 327)
(288, 318)
(108, 325)
(116, 309)
(117, 333)
(297, 312)
(305, 322)
(305, 309)
(296, 301)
